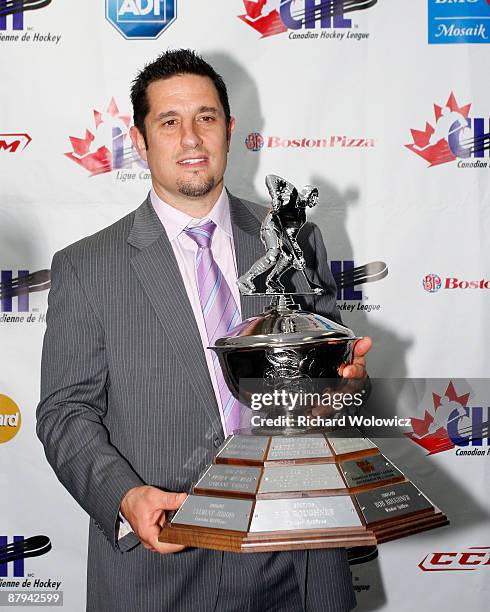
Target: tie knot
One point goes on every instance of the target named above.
(202, 234)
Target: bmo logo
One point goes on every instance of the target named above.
(141, 19)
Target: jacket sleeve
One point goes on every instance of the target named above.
(325, 304)
(74, 382)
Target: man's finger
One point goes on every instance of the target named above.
(164, 548)
(354, 371)
(362, 346)
(170, 501)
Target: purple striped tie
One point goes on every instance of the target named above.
(219, 310)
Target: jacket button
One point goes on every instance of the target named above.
(217, 442)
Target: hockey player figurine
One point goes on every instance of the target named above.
(278, 233)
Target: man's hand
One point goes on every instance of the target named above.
(357, 369)
(144, 508)
(355, 373)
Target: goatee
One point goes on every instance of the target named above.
(195, 190)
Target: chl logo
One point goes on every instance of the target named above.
(347, 276)
(11, 287)
(15, 9)
(141, 19)
(454, 135)
(19, 549)
(109, 146)
(451, 422)
(18, 564)
(269, 17)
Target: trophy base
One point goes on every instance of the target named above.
(274, 493)
(271, 542)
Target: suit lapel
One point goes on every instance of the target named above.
(156, 268)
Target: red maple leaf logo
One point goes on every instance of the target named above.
(267, 25)
(431, 143)
(430, 432)
(99, 160)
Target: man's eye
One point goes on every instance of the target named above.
(171, 122)
(207, 118)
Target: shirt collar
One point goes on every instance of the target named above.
(175, 221)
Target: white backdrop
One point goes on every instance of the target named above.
(380, 202)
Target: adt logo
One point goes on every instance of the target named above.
(11, 287)
(269, 17)
(347, 276)
(141, 19)
(110, 148)
(458, 21)
(455, 135)
(451, 422)
(14, 10)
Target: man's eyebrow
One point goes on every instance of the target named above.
(208, 109)
(170, 113)
(174, 113)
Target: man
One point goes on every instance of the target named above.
(131, 404)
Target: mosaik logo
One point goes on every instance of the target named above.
(108, 147)
(302, 17)
(19, 549)
(141, 19)
(451, 423)
(14, 143)
(454, 136)
(459, 21)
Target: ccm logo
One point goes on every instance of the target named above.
(471, 559)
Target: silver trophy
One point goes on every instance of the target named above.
(285, 349)
(267, 490)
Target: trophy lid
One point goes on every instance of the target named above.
(282, 328)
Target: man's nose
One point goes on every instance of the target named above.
(189, 135)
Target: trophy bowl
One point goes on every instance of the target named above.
(285, 349)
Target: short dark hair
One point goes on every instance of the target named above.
(168, 64)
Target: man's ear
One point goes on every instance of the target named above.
(231, 129)
(138, 141)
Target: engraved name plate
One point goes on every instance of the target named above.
(302, 514)
(298, 447)
(214, 513)
(391, 502)
(250, 448)
(344, 446)
(230, 478)
(301, 478)
(368, 470)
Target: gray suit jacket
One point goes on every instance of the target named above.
(126, 400)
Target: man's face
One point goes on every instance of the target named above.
(187, 139)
